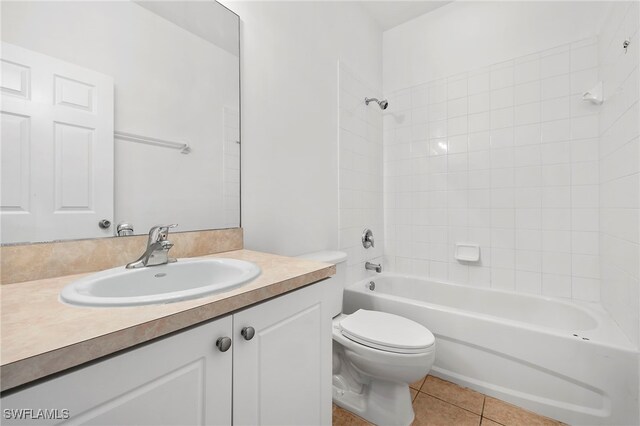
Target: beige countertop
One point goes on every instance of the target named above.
(42, 336)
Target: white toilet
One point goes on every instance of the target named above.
(376, 355)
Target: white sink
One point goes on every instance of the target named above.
(181, 280)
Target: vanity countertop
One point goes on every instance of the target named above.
(42, 336)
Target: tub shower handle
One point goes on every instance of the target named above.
(248, 333)
(367, 238)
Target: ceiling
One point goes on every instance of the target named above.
(392, 13)
(208, 20)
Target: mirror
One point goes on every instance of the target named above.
(118, 112)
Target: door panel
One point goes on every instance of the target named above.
(289, 356)
(73, 182)
(179, 380)
(16, 79)
(74, 94)
(16, 174)
(283, 375)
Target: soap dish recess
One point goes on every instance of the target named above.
(467, 252)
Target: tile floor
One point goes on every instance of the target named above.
(442, 403)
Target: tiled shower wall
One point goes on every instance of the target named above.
(507, 157)
(619, 167)
(360, 169)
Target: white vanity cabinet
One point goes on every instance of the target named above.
(280, 376)
(177, 380)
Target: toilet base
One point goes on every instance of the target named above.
(380, 402)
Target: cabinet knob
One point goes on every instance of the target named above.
(223, 343)
(248, 333)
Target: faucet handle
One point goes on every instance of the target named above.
(160, 232)
(367, 238)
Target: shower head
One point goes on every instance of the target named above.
(383, 104)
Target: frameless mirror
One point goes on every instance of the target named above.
(118, 112)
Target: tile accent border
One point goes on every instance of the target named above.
(28, 262)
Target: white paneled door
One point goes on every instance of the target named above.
(57, 148)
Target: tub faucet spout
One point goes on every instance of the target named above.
(373, 267)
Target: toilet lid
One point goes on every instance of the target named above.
(381, 330)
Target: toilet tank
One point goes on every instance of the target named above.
(339, 280)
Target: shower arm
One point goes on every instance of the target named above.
(383, 104)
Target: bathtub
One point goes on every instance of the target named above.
(559, 359)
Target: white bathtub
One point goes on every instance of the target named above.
(560, 359)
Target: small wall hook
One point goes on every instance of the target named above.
(625, 45)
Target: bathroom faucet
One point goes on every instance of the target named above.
(373, 267)
(158, 247)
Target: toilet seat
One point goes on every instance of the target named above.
(386, 332)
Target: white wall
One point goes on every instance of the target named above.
(154, 64)
(619, 168)
(289, 55)
(463, 36)
(361, 203)
(487, 140)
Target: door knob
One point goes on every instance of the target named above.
(223, 343)
(104, 224)
(248, 333)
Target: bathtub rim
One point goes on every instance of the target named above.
(606, 332)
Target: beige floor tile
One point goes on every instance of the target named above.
(454, 394)
(510, 415)
(418, 384)
(342, 417)
(414, 393)
(431, 411)
(486, 422)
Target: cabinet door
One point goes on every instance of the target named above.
(282, 376)
(178, 380)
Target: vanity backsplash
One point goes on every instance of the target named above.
(28, 262)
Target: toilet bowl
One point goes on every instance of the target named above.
(376, 355)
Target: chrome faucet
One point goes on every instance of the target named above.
(158, 247)
(373, 267)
